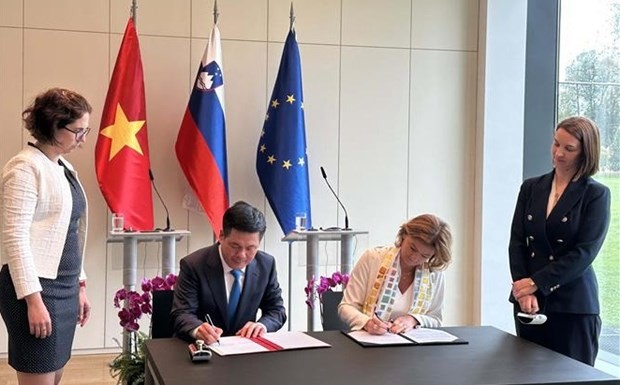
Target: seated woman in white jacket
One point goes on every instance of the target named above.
(394, 289)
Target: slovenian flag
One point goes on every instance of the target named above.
(201, 143)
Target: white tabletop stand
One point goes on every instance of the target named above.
(130, 242)
(312, 239)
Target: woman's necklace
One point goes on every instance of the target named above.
(558, 189)
(557, 194)
(407, 274)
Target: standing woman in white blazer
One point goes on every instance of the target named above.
(43, 217)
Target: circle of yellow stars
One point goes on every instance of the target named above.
(271, 159)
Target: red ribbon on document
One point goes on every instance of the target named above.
(267, 344)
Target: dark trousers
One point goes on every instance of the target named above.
(574, 335)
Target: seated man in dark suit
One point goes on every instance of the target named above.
(228, 282)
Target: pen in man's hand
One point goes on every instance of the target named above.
(210, 321)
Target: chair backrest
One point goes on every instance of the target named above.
(329, 311)
(161, 323)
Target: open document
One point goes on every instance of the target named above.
(268, 342)
(426, 336)
(420, 336)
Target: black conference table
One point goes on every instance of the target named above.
(492, 356)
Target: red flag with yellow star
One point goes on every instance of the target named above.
(122, 150)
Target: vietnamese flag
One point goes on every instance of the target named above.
(122, 149)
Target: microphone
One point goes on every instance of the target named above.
(161, 200)
(346, 216)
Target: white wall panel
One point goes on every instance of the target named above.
(379, 24)
(321, 80)
(374, 140)
(153, 17)
(245, 111)
(238, 20)
(11, 13)
(57, 59)
(443, 92)
(11, 105)
(445, 24)
(72, 15)
(316, 21)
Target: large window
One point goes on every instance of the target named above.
(589, 84)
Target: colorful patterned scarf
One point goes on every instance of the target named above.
(384, 290)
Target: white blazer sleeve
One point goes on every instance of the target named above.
(350, 309)
(19, 198)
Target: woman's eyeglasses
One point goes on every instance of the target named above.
(80, 133)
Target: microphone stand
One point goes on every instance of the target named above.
(346, 215)
(161, 200)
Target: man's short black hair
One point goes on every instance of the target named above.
(244, 217)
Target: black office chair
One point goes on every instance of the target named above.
(161, 323)
(329, 311)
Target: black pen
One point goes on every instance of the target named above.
(210, 321)
(377, 315)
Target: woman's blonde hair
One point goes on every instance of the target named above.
(433, 231)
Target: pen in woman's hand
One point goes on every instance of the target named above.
(376, 313)
(210, 321)
(387, 325)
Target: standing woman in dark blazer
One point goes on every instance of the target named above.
(558, 227)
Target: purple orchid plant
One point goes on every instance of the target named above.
(140, 303)
(316, 289)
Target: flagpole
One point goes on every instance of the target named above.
(290, 245)
(134, 8)
(216, 14)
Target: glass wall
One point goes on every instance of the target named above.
(589, 84)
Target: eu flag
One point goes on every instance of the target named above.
(281, 160)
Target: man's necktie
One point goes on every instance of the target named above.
(235, 294)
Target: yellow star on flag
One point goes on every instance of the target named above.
(274, 103)
(263, 148)
(286, 164)
(290, 99)
(123, 133)
(271, 159)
